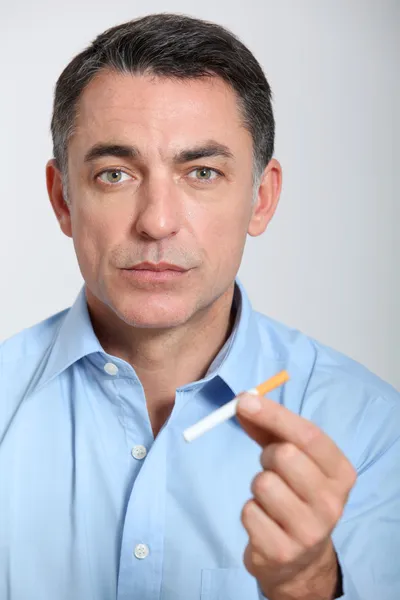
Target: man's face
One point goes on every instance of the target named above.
(163, 202)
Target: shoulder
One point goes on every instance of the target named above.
(22, 353)
(323, 365)
(349, 402)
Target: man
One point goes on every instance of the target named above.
(163, 142)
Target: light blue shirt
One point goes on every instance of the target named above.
(92, 507)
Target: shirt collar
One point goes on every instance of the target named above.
(237, 363)
(247, 355)
(74, 339)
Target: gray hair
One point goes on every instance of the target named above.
(172, 46)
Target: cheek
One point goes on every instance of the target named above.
(222, 218)
(92, 235)
(221, 230)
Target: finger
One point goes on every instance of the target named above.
(300, 473)
(272, 419)
(266, 537)
(261, 436)
(325, 498)
(287, 510)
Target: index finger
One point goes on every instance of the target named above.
(273, 421)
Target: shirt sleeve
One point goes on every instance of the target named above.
(339, 582)
(367, 540)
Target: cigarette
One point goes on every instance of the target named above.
(229, 409)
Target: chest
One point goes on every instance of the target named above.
(95, 507)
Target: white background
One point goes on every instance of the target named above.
(328, 264)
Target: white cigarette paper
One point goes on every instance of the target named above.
(225, 412)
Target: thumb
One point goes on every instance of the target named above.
(249, 423)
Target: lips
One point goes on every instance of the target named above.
(154, 275)
(156, 267)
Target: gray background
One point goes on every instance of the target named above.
(328, 263)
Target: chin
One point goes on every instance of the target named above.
(158, 314)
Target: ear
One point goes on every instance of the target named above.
(57, 199)
(267, 198)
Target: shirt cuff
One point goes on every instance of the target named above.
(339, 583)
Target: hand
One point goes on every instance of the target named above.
(298, 499)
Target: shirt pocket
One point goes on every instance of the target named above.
(228, 584)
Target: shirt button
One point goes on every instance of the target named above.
(111, 369)
(139, 452)
(141, 551)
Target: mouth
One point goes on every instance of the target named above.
(154, 273)
(156, 267)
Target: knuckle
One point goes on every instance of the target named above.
(262, 483)
(247, 510)
(331, 507)
(312, 433)
(312, 537)
(277, 454)
(351, 475)
(286, 452)
(283, 555)
(257, 558)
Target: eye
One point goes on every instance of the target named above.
(112, 176)
(204, 174)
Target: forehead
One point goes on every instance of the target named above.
(170, 113)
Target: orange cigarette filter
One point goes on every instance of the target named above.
(272, 383)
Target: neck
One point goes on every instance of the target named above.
(169, 358)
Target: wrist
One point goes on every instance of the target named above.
(319, 581)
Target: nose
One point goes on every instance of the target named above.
(160, 212)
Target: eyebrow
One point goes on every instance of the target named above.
(118, 150)
(206, 150)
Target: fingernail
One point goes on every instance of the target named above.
(249, 403)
